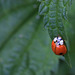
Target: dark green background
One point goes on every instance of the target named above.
(25, 45)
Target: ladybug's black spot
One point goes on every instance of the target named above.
(61, 54)
(54, 42)
(59, 43)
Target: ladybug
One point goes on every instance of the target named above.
(58, 46)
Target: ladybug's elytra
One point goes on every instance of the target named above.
(58, 46)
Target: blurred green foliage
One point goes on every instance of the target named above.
(25, 46)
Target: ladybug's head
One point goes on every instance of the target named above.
(58, 41)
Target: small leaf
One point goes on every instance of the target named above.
(54, 17)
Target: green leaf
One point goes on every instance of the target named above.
(25, 47)
(55, 12)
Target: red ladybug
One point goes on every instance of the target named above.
(58, 46)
